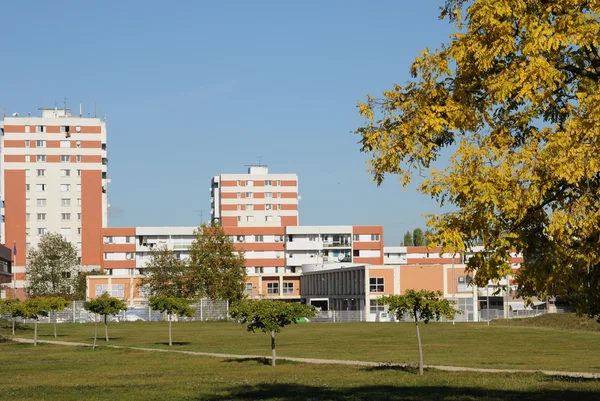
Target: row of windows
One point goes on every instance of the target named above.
(257, 238)
(42, 144)
(63, 231)
(267, 218)
(268, 183)
(40, 172)
(43, 187)
(374, 237)
(114, 290)
(111, 240)
(42, 158)
(41, 129)
(268, 206)
(273, 288)
(40, 202)
(267, 195)
(42, 216)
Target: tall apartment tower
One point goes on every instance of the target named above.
(53, 179)
(256, 199)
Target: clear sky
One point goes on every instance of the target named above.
(193, 89)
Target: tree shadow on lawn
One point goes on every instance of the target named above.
(174, 343)
(289, 392)
(408, 368)
(261, 361)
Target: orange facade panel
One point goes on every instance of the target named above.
(119, 264)
(260, 246)
(118, 247)
(53, 129)
(289, 195)
(228, 183)
(288, 183)
(91, 159)
(15, 210)
(118, 232)
(289, 207)
(431, 261)
(259, 207)
(228, 195)
(270, 262)
(228, 207)
(53, 144)
(229, 221)
(259, 195)
(420, 277)
(457, 272)
(53, 158)
(258, 183)
(96, 129)
(16, 129)
(389, 282)
(14, 159)
(91, 220)
(367, 230)
(289, 221)
(87, 144)
(366, 246)
(14, 143)
(370, 261)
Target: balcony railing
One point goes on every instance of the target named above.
(337, 244)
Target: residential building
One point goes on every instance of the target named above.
(255, 199)
(53, 170)
(5, 264)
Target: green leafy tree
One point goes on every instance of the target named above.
(514, 96)
(164, 274)
(418, 238)
(80, 284)
(216, 269)
(13, 308)
(34, 308)
(172, 306)
(428, 237)
(421, 305)
(104, 305)
(270, 316)
(408, 239)
(52, 267)
(56, 304)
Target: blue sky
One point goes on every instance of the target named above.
(194, 89)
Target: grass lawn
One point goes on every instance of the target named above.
(465, 344)
(51, 372)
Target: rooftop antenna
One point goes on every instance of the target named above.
(80, 110)
(94, 110)
(201, 213)
(65, 103)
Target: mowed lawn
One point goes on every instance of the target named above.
(53, 372)
(464, 344)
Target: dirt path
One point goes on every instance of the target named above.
(585, 375)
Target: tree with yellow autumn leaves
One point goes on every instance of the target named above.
(513, 96)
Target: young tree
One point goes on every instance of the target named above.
(216, 269)
(104, 305)
(418, 238)
(52, 267)
(270, 316)
(13, 308)
(408, 239)
(420, 305)
(54, 305)
(172, 306)
(164, 274)
(34, 308)
(514, 95)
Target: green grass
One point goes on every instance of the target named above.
(50, 372)
(563, 321)
(470, 344)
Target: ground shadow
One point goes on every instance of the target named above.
(570, 379)
(414, 369)
(174, 343)
(101, 340)
(260, 361)
(294, 392)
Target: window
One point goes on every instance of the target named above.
(40, 144)
(288, 288)
(78, 158)
(278, 206)
(78, 187)
(268, 194)
(27, 245)
(40, 129)
(258, 238)
(27, 231)
(65, 144)
(272, 288)
(27, 129)
(268, 182)
(249, 207)
(27, 173)
(79, 231)
(27, 158)
(78, 216)
(78, 201)
(65, 202)
(78, 144)
(249, 183)
(375, 237)
(278, 183)
(249, 218)
(109, 240)
(239, 218)
(40, 187)
(65, 216)
(27, 216)
(130, 255)
(268, 206)
(63, 129)
(78, 173)
(239, 195)
(101, 289)
(42, 231)
(27, 187)
(376, 284)
(249, 195)
(268, 218)
(27, 144)
(239, 207)
(374, 307)
(27, 202)
(41, 216)
(41, 202)
(279, 194)
(248, 288)
(65, 231)
(239, 183)
(65, 187)
(41, 173)
(40, 158)
(258, 270)
(65, 173)
(65, 158)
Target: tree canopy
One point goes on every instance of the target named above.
(164, 274)
(52, 267)
(513, 97)
(104, 305)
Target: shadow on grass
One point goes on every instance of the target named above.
(570, 379)
(412, 368)
(289, 392)
(174, 343)
(260, 361)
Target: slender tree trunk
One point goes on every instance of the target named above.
(13, 325)
(106, 328)
(95, 332)
(54, 324)
(274, 356)
(170, 342)
(35, 333)
(420, 348)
